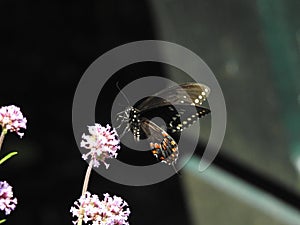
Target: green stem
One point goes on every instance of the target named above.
(9, 155)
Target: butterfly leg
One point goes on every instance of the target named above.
(126, 129)
(122, 117)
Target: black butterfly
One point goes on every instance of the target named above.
(180, 106)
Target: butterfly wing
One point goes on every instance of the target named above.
(184, 94)
(162, 145)
(179, 106)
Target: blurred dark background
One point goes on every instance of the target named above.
(46, 48)
(251, 46)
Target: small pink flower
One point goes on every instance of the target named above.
(102, 142)
(7, 202)
(110, 211)
(11, 118)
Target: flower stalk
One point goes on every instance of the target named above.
(87, 178)
(84, 188)
(4, 131)
(102, 143)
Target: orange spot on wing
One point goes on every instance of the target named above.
(165, 134)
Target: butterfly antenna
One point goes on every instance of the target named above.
(117, 84)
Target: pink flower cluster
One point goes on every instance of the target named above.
(109, 211)
(7, 202)
(11, 118)
(102, 142)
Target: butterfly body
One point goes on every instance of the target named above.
(135, 122)
(179, 106)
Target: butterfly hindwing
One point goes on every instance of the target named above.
(184, 118)
(162, 145)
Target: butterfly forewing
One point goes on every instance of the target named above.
(180, 106)
(184, 94)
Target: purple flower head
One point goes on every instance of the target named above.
(102, 142)
(110, 211)
(7, 202)
(11, 118)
